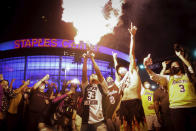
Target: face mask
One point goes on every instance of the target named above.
(26, 95)
(110, 83)
(42, 87)
(123, 71)
(175, 70)
(73, 89)
(147, 86)
(5, 86)
(93, 78)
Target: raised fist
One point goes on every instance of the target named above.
(84, 55)
(132, 29)
(114, 55)
(179, 53)
(27, 82)
(147, 61)
(92, 55)
(164, 64)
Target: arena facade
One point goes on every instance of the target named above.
(62, 59)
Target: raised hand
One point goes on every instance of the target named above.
(147, 61)
(178, 53)
(72, 91)
(84, 55)
(165, 63)
(132, 30)
(92, 55)
(27, 82)
(114, 55)
(46, 82)
(52, 96)
(1, 76)
(68, 82)
(45, 77)
(13, 80)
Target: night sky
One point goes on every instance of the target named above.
(161, 23)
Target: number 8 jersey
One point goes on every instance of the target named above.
(181, 92)
(147, 100)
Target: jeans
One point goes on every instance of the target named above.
(100, 126)
(184, 119)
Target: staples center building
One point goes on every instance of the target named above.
(61, 59)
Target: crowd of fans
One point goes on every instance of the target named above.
(31, 108)
(104, 104)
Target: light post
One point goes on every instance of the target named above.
(66, 69)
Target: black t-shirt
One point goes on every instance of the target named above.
(162, 96)
(65, 108)
(37, 101)
(112, 100)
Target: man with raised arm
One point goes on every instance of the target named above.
(161, 102)
(182, 95)
(38, 103)
(94, 93)
(113, 100)
(131, 109)
(13, 115)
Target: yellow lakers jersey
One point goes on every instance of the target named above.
(147, 101)
(181, 92)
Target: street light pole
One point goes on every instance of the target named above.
(66, 69)
(65, 74)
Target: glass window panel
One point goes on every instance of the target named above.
(39, 66)
(13, 68)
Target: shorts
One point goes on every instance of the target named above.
(183, 119)
(100, 126)
(131, 111)
(151, 121)
(113, 125)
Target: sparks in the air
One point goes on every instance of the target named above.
(92, 18)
